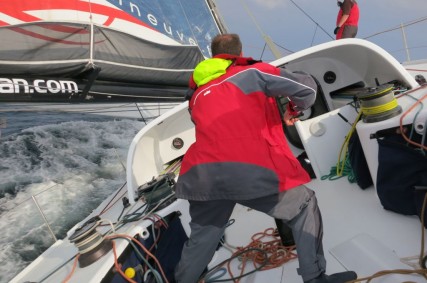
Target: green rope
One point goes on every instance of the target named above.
(347, 171)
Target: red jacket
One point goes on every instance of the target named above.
(240, 150)
(351, 9)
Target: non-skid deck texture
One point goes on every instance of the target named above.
(358, 234)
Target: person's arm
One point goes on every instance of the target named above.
(342, 20)
(290, 116)
(346, 8)
(300, 88)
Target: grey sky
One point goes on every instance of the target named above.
(292, 30)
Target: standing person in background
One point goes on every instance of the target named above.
(347, 19)
(241, 156)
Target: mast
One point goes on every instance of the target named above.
(405, 43)
(218, 19)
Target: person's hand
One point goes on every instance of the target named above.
(336, 30)
(289, 119)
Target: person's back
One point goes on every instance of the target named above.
(236, 126)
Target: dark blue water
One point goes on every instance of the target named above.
(68, 162)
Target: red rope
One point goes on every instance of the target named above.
(72, 269)
(145, 250)
(270, 242)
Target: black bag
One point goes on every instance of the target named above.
(401, 168)
(358, 162)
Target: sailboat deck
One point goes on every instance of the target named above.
(358, 235)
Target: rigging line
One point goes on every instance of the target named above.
(314, 35)
(311, 19)
(411, 48)
(416, 21)
(284, 48)
(90, 11)
(398, 27)
(190, 26)
(265, 37)
(262, 53)
(30, 198)
(107, 206)
(91, 47)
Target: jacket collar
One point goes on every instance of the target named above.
(238, 60)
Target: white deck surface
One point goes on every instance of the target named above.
(365, 237)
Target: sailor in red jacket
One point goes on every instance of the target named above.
(347, 19)
(241, 156)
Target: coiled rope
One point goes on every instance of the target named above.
(378, 104)
(343, 167)
(265, 252)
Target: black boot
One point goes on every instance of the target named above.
(341, 277)
(285, 233)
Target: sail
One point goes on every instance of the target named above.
(74, 47)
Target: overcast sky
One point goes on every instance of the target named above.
(297, 24)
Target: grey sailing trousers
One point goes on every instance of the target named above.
(297, 208)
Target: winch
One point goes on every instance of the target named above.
(90, 243)
(378, 103)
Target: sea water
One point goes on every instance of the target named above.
(68, 164)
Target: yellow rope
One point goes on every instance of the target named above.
(344, 147)
(380, 108)
(380, 92)
(369, 103)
